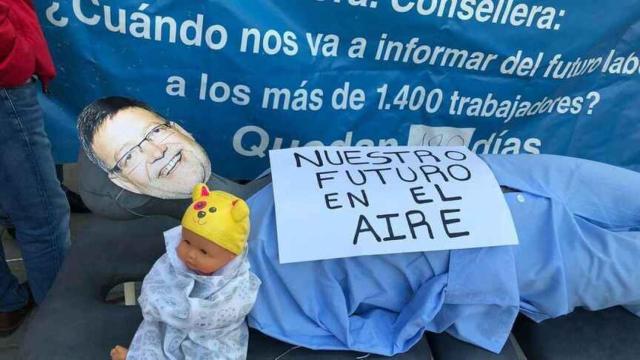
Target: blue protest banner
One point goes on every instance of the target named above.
(499, 76)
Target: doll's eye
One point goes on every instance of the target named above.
(201, 214)
(212, 209)
(203, 251)
(187, 241)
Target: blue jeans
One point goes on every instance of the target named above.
(30, 196)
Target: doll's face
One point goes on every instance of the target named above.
(201, 255)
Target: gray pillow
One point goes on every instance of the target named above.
(105, 198)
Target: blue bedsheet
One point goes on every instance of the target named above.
(578, 222)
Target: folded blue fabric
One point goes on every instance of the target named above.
(578, 225)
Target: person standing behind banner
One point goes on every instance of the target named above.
(30, 195)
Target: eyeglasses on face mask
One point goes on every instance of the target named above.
(157, 135)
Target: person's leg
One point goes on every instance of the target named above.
(12, 295)
(30, 193)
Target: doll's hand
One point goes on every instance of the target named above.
(119, 353)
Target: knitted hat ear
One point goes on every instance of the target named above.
(239, 210)
(199, 191)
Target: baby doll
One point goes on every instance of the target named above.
(196, 296)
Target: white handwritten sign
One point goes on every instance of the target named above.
(334, 202)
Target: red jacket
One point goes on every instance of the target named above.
(23, 49)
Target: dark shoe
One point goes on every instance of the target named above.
(11, 320)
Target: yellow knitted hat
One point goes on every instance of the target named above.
(218, 217)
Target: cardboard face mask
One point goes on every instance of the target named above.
(146, 154)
